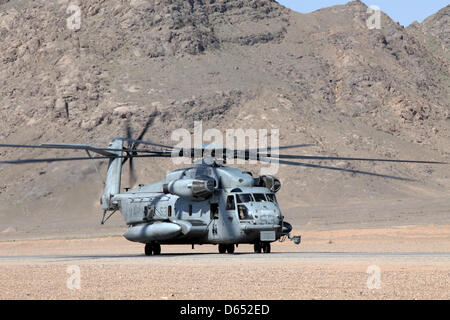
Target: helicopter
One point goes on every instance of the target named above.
(209, 203)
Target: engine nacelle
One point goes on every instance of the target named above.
(270, 182)
(190, 188)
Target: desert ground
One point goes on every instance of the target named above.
(413, 263)
(367, 249)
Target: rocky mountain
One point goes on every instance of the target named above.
(323, 78)
(434, 32)
(438, 25)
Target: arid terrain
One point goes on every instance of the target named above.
(332, 262)
(413, 263)
(322, 78)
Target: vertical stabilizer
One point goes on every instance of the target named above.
(112, 184)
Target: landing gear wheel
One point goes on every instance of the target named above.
(230, 248)
(222, 248)
(257, 247)
(266, 247)
(148, 249)
(156, 249)
(152, 249)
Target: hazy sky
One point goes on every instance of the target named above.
(403, 11)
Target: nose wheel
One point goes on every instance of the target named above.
(262, 246)
(152, 249)
(226, 248)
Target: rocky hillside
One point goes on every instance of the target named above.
(434, 32)
(322, 78)
(438, 26)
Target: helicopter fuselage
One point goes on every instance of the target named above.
(224, 218)
(227, 209)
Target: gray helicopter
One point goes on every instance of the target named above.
(209, 203)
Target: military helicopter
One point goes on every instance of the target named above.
(209, 203)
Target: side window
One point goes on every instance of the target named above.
(214, 211)
(230, 203)
(149, 212)
(190, 210)
(169, 211)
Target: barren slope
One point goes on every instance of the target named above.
(322, 78)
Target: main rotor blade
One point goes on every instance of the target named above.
(315, 166)
(279, 148)
(102, 151)
(309, 165)
(214, 150)
(285, 156)
(146, 143)
(48, 160)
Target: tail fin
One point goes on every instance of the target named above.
(112, 185)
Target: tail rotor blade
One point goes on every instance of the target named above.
(144, 131)
(129, 131)
(132, 180)
(129, 134)
(133, 144)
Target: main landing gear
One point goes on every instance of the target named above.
(152, 248)
(262, 246)
(226, 248)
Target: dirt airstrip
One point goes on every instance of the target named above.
(394, 263)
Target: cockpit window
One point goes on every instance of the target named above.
(259, 197)
(271, 197)
(230, 203)
(244, 198)
(243, 213)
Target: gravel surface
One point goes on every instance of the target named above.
(327, 265)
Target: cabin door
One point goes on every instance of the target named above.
(214, 212)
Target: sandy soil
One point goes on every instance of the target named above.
(414, 263)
